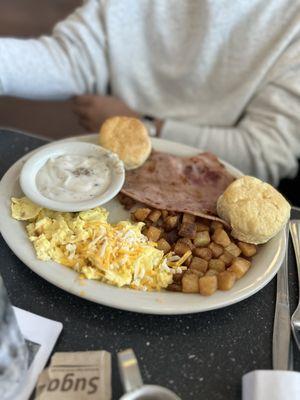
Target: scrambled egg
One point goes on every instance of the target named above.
(117, 254)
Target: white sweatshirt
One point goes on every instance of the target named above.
(223, 75)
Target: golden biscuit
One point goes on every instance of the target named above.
(255, 210)
(127, 137)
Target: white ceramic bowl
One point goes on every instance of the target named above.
(40, 157)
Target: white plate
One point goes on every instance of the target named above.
(265, 264)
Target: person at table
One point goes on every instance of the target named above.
(216, 74)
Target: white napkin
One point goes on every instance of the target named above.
(273, 385)
(42, 333)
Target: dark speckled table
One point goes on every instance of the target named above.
(200, 356)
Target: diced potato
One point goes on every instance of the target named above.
(153, 233)
(208, 285)
(211, 272)
(248, 250)
(226, 280)
(126, 201)
(205, 221)
(164, 214)
(188, 242)
(171, 222)
(216, 225)
(159, 223)
(239, 267)
(200, 227)
(203, 252)
(171, 236)
(199, 264)
(175, 287)
(172, 213)
(163, 245)
(220, 237)
(233, 249)
(154, 216)
(181, 248)
(216, 264)
(177, 278)
(216, 249)
(202, 239)
(226, 257)
(188, 218)
(122, 198)
(190, 283)
(140, 214)
(188, 230)
(196, 272)
(188, 260)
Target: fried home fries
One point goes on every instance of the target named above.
(213, 258)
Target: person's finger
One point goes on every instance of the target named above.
(80, 110)
(84, 99)
(84, 112)
(87, 124)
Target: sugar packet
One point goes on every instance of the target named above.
(76, 376)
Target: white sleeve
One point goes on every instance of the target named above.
(266, 141)
(70, 62)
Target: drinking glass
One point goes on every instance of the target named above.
(13, 349)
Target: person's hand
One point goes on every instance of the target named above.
(93, 110)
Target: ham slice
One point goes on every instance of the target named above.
(182, 184)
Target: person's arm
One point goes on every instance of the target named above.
(266, 141)
(70, 62)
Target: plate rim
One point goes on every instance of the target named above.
(134, 307)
